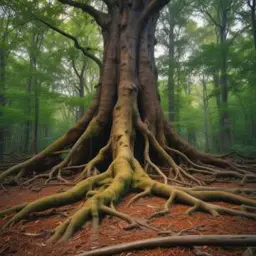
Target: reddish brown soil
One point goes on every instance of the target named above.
(18, 240)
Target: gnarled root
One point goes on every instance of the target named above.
(76, 135)
(176, 241)
(103, 190)
(101, 156)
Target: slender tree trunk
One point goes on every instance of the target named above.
(28, 107)
(252, 7)
(253, 19)
(35, 86)
(37, 39)
(178, 100)
(81, 95)
(206, 115)
(171, 81)
(37, 109)
(2, 101)
(216, 139)
(226, 137)
(81, 87)
(191, 134)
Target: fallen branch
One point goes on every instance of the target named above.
(175, 241)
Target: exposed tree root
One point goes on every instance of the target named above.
(72, 136)
(146, 192)
(12, 209)
(176, 241)
(150, 163)
(166, 207)
(101, 156)
(103, 190)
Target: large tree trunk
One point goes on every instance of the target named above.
(127, 118)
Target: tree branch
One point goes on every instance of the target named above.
(249, 3)
(83, 69)
(74, 67)
(211, 18)
(153, 7)
(236, 34)
(76, 43)
(76, 87)
(109, 4)
(101, 18)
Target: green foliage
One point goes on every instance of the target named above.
(198, 59)
(43, 69)
(38, 71)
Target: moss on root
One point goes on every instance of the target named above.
(104, 190)
(126, 173)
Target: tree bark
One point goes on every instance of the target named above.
(226, 137)
(252, 6)
(28, 107)
(37, 109)
(191, 133)
(81, 87)
(2, 101)
(171, 81)
(176, 241)
(216, 139)
(206, 115)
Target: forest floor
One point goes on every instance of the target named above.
(29, 237)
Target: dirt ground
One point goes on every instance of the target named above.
(29, 237)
